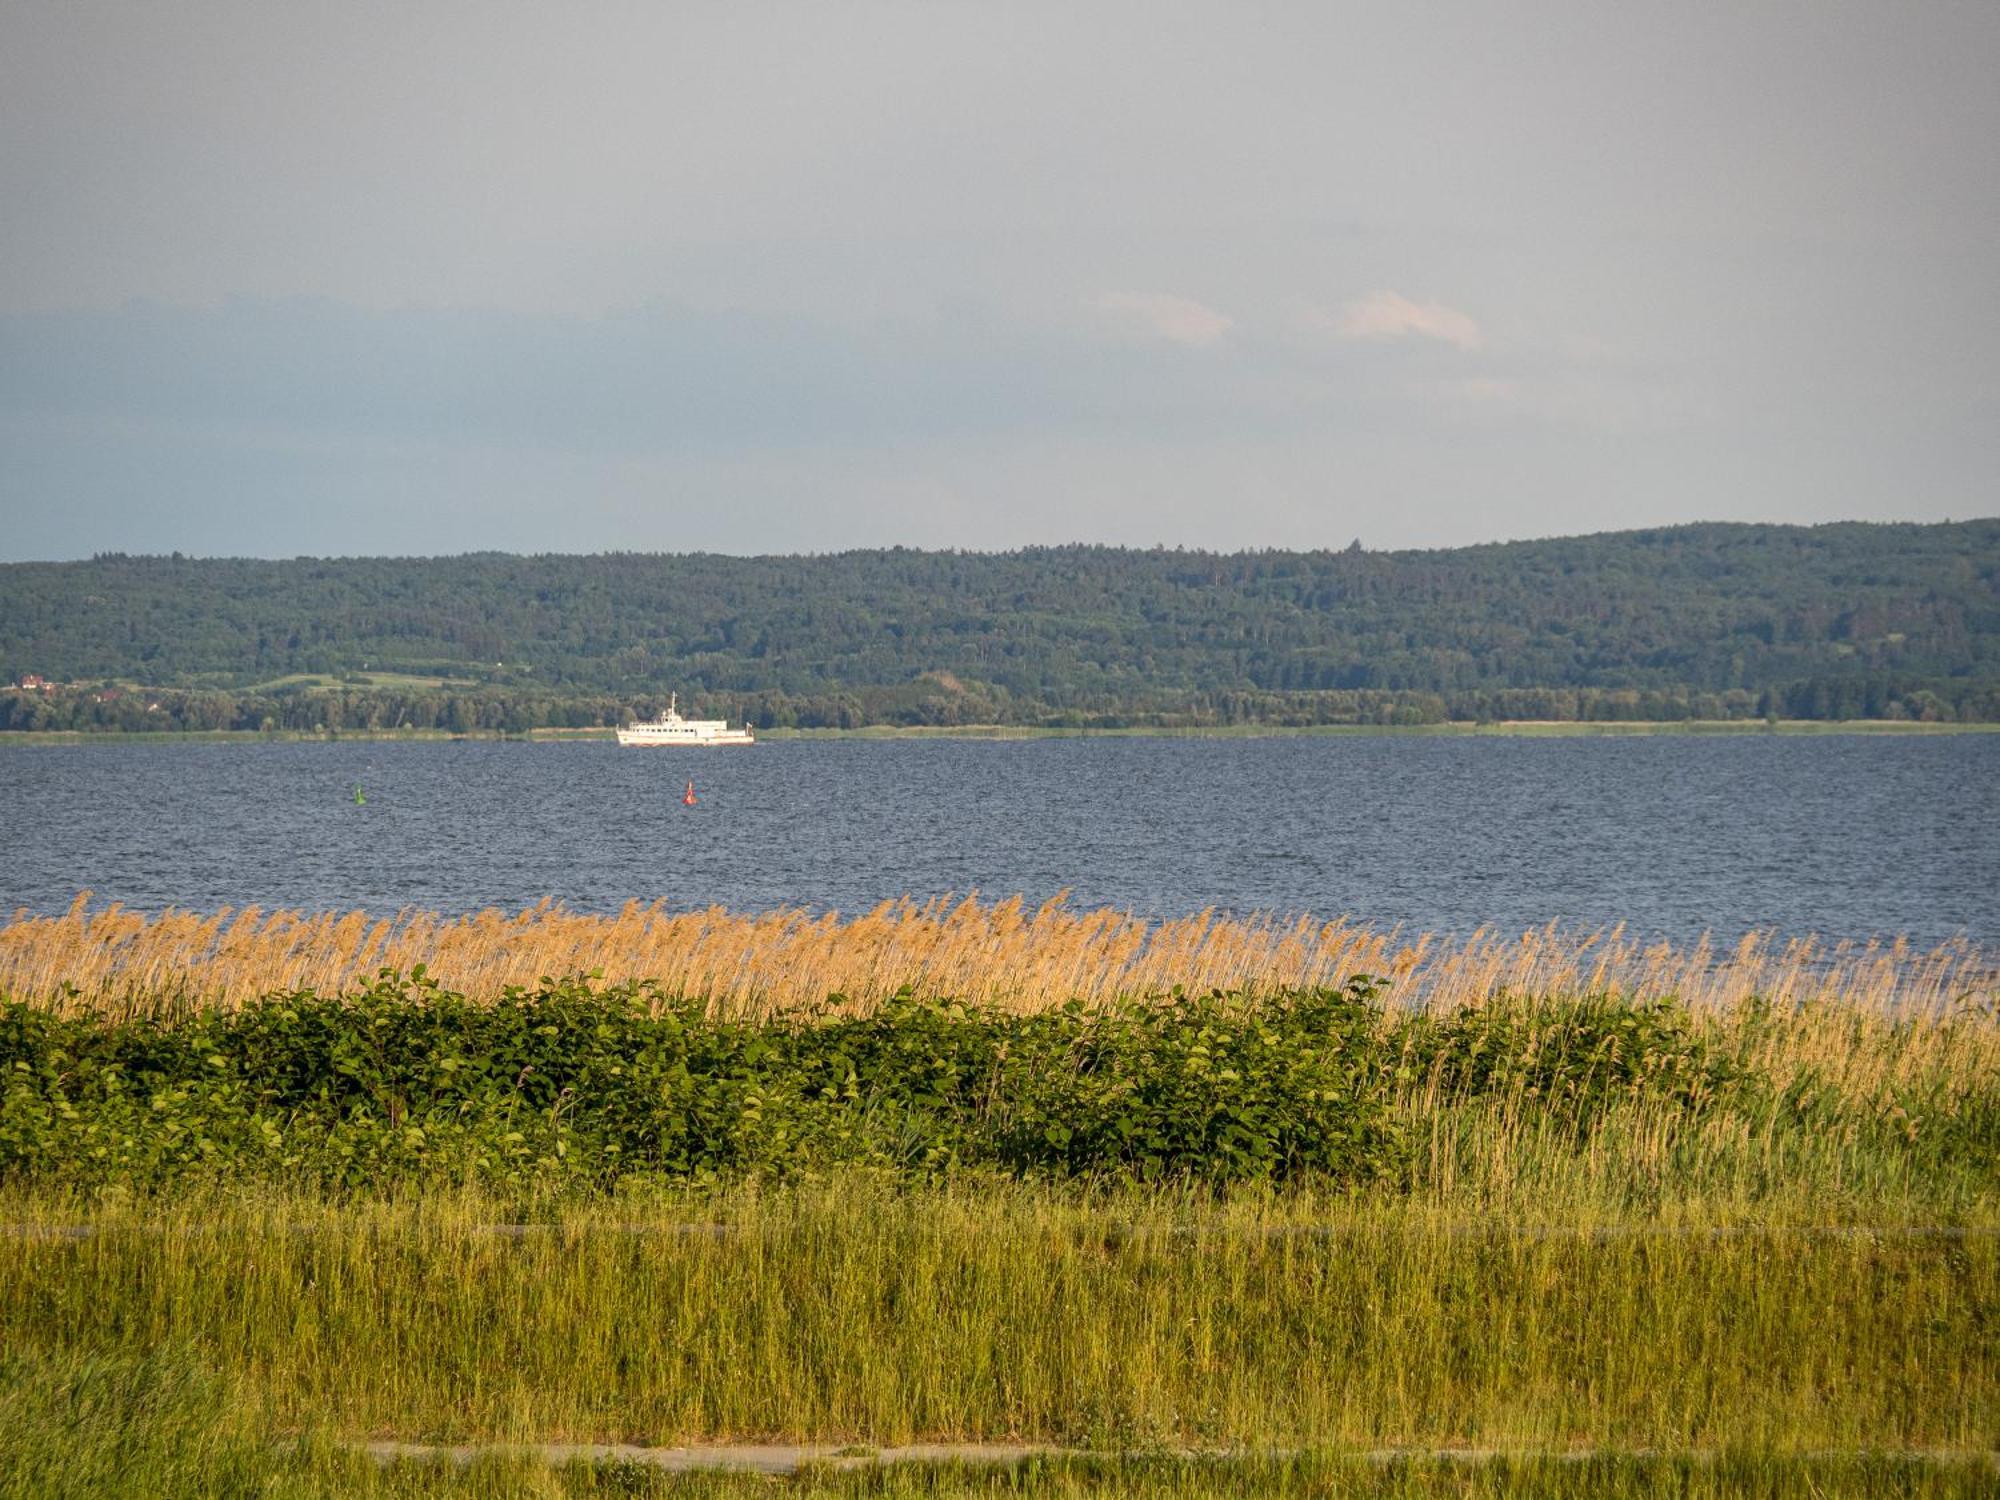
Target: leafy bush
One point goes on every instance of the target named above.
(1575, 1059)
(407, 1080)
(577, 1085)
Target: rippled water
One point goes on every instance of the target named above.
(1843, 835)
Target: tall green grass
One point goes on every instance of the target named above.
(856, 1308)
(163, 1427)
(1756, 1244)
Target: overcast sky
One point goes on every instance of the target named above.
(417, 277)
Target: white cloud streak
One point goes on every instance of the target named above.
(1179, 320)
(1390, 315)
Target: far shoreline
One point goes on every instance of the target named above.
(1497, 729)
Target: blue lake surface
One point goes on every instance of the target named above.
(1847, 836)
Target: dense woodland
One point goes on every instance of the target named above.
(1708, 621)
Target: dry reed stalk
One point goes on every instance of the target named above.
(116, 961)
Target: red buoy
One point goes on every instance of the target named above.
(687, 797)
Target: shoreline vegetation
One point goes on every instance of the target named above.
(1003, 953)
(1540, 1215)
(1528, 1246)
(1505, 728)
(1833, 624)
(1807, 1112)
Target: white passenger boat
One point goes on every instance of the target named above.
(671, 729)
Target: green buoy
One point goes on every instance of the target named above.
(359, 800)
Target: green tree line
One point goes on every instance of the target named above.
(1706, 621)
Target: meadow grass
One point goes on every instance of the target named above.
(1606, 1246)
(1662, 1272)
(166, 1425)
(854, 1310)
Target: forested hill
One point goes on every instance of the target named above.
(1705, 621)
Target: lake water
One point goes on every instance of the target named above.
(1848, 836)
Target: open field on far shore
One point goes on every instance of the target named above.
(359, 679)
(1534, 728)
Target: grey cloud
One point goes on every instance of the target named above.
(989, 274)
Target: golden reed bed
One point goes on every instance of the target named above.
(113, 961)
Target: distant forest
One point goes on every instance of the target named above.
(1707, 621)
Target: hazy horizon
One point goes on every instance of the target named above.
(1243, 551)
(367, 279)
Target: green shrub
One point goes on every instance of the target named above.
(408, 1081)
(577, 1085)
(1574, 1059)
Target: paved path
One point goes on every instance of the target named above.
(789, 1458)
(1598, 1234)
(754, 1458)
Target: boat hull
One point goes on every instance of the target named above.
(721, 741)
(672, 732)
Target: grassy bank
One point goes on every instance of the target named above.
(851, 1311)
(169, 1423)
(30, 737)
(1534, 728)
(1608, 1247)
